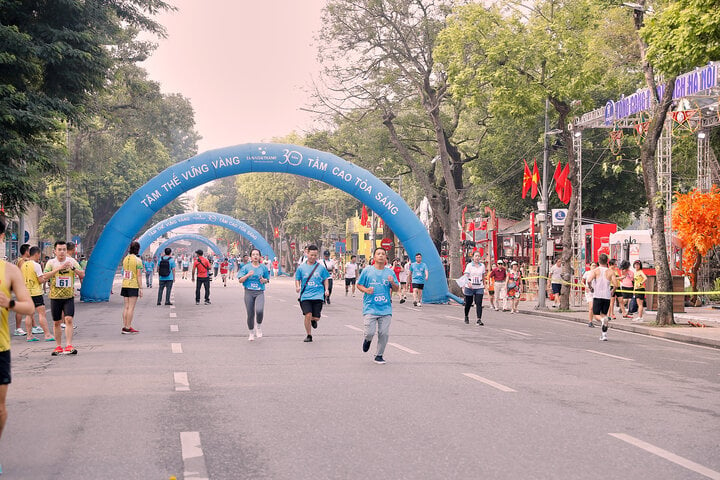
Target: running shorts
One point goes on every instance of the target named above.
(601, 306)
(556, 288)
(129, 292)
(60, 306)
(312, 306)
(38, 300)
(418, 286)
(350, 281)
(5, 377)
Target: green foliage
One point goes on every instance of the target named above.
(683, 35)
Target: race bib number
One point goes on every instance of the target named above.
(254, 286)
(476, 280)
(127, 274)
(380, 299)
(62, 281)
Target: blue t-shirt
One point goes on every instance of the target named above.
(149, 266)
(172, 266)
(417, 270)
(253, 281)
(216, 263)
(379, 302)
(315, 289)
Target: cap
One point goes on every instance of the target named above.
(513, 263)
(326, 252)
(499, 262)
(199, 252)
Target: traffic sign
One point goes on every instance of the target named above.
(386, 243)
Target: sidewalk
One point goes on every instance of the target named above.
(682, 332)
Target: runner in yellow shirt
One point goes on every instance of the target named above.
(60, 272)
(34, 278)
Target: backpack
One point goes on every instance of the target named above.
(164, 267)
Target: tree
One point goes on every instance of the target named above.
(379, 56)
(56, 56)
(695, 217)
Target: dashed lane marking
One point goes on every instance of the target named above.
(182, 384)
(516, 332)
(174, 328)
(352, 327)
(176, 347)
(404, 349)
(609, 355)
(193, 457)
(489, 382)
(669, 456)
(173, 315)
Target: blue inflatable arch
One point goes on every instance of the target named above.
(188, 236)
(259, 157)
(208, 218)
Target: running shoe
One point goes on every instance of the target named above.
(366, 345)
(197, 303)
(638, 320)
(402, 300)
(159, 303)
(129, 330)
(603, 337)
(419, 304)
(207, 302)
(38, 330)
(379, 359)
(251, 337)
(308, 339)
(591, 324)
(58, 351)
(168, 303)
(313, 323)
(33, 339)
(467, 320)
(70, 350)
(479, 322)
(258, 332)
(414, 304)
(19, 332)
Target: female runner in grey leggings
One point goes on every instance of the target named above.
(254, 275)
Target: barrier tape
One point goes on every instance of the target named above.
(577, 285)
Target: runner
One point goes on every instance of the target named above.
(602, 282)
(11, 282)
(403, 278)
(475, 288)
(202, 266)
(149, 266)
(588, 292)
(275, 267)
(131, 285)
(24, 251)
(419, 274)
(311, 284)
(556, 282)
(351, 271)
(185, 266)
(34, 278)
(397, 270)
(377, 283)
(254, 275)
(60, 272)
(491, 286)
(224, 271)
(330, 266)
(166, 275)
(216, 266)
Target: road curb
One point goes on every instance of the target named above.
(660, 332)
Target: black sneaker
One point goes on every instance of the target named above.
(197, 303)
(328, 300)
(366, 345)
(467, 320)
(313, 323)
(479, 322)
(414, 304)
(167, 303)
(402, 300)
(207, 302)
(379, 359)
(308, 339)
(158, 303)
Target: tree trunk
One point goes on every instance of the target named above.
(567, 239)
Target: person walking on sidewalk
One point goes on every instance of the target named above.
(311, 283)
(475, 287)
(201, 265)
(60, 272)
(254, 275)
(166, 275)
(419, 274)
(602, 283)
(377, 282)
(131, 286)
(11, 282)
(499, 277)
(639, 289)
(588, 292)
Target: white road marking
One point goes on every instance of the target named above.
(182, 384)
(176, 347)
(279, 300)
(489, 382)
(669, 456)
(612, 356)
(193, 457)
(516, 332)
(452, 318)
(172, 306)
(352, 327)
(174, 328)
(173, 315)
(404, 349)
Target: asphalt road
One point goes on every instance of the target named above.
(523, 397)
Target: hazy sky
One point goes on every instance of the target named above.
(246, 66)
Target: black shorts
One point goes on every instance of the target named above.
(5, 378)
(617, 294)
(556, 288)
(629, 294)
(350, 281)
(601, 306)
(60, 306)
(312, 306)
(418, 286)
(640, 294)
(129, 292)
(185, 269)
(38, 300)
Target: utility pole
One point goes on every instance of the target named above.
(543, 211)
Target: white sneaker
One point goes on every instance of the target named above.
(258, 332)
(19, 332)
(603, 337)
(62, 325)
(251, 338)
(419, 304)
(38, 330)
(638, 319)
(604, 321)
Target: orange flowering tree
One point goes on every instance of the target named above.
(695, 217)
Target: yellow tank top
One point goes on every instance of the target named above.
(131, 265)
(62, 284)
(31, 279)
(4, 329)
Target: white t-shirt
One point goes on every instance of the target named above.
(476, 275)
(350, 270)
(556, 274)
(585, 277)
(329, 265)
